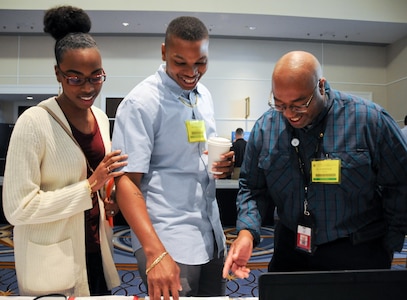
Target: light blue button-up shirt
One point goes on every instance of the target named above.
(179, 191)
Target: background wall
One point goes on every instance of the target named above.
(396, 61)
(238, 68)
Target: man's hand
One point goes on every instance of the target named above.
(225, 165)
(164, 280)
(238, 256)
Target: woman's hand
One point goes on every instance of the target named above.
(106, 169)
(111, 208)
(108, 194)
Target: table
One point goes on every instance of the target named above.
(226, 192)
(120, 298)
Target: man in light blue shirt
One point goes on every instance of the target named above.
(168, 193)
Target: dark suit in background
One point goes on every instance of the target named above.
(239, 147)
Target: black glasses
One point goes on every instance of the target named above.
(76, 80)
(294, 108)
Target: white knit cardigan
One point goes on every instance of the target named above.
(45, 194)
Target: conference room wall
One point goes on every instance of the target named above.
(238, 69)
(397, 80)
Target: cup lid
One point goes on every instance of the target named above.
(219, 140)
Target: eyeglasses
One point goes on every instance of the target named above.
(294, 108)
(76, 80)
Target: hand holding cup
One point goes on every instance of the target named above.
(217, 146)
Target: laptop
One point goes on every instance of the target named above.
(334, 285)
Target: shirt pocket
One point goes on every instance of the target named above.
(50, 268)
(356, 169)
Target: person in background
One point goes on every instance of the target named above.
(404, 129)
(167, 194)
(335, 166)
(50, 195)
(238, 146)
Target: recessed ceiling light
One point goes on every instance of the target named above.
(29, 97)
(125, 24)
(251, 27)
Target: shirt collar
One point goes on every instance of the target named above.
(327, 106)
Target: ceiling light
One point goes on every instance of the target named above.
(29, 97)
(125, 24)
(251, 27)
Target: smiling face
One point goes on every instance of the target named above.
(291, 95)
(297, 80)
(82, 63)
(186, 61)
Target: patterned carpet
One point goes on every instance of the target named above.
(127, 267)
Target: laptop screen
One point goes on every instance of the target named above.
(334, 285)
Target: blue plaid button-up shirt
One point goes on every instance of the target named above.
(373, 185)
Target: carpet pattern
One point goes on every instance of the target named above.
(260, 258)
(131, 283)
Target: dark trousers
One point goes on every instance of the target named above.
(341, 254)
(196, 280)
(96, 277)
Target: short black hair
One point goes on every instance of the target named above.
(239, 131)
(186, 28)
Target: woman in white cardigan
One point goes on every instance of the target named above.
(62, 241)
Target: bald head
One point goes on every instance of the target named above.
(297, 82)
(297, 68)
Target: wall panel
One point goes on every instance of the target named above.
(238, 68)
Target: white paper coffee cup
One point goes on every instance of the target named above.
(216, 147)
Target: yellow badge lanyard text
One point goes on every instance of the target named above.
(196, 130)
(323, 170)
(326, 170)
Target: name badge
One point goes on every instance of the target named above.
(196, 131)
(326, 171)
(305, 233)
(304, 238)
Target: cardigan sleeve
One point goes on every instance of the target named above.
(45, 174)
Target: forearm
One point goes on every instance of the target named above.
(133, 207)
(249, 217)
(24, 204)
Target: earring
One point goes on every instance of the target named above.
(59, 89)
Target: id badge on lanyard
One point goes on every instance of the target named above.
(326, 171)
(196, 131)
(323, 170)
(306, 231)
